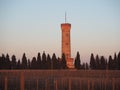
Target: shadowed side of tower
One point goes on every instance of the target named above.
(66, 45)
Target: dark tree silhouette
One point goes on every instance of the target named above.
(39, 62)
(8, 63)
(110, 66)
(54, 61)
(44, 60)
(118, 60)
(34, 63)
(97, 62)
(77, 61)
(24, 62)
(2, 61)
(83, 66)
(48, 66)
(92, 62)
(87, 66)
(115, 62)
(18, 65)
(103, 63)
(63, 62)
(59, 63)
(13, 63)
(29, 64)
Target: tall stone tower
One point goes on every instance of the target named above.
(66, 45)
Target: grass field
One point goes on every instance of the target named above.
(59, 80)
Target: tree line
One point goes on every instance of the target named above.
(45, 61)
(102, 63)
(39, 62)
(99, 62)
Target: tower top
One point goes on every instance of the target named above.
(65, 23)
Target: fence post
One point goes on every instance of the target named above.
(80, 84)
(92, 85)
(113, 83)
(46, 85)
(22, 81)
(69, 84)
(55, 83)
(6, 82)
(88, 84)
(37, 83)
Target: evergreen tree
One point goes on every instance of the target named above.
(2, 62)
(97, 62)
(106, 62)
(115, 63)
(29, 64)
(34, 63)
(44, 60)
(59, 64)
(87, 66)
(13, 63)
(8, 63)
(92, 62)
(39, 62)
(48, 62)
(118, 60)
(83, 66)
(77, 61)
(110, 66)
(54, 61)
(24, 62)
(63, 62)
(103, 63)
(18, 65)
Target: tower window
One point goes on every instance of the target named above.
(66, 43)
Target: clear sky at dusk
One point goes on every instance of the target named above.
(33, 26)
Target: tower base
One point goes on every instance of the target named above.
(70, 64)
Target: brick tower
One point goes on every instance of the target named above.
(66, 45)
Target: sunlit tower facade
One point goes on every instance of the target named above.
(66, 43)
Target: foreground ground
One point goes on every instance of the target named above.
(59, 80)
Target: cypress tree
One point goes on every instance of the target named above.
(39, 62)
(48, 62)
(77, 61)
(103, 63)
(92, 62)
(118, 60)
(13, 63)
(34, 63)
(24, 62)
(44, 60)
(18, 65)
(8, 63)
(63, 62)
(110, 66)
(54, 61)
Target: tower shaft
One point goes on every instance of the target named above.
(66, 44)
(66, 48)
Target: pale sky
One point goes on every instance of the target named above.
(33, 26)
